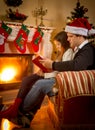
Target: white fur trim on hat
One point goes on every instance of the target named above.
(91, 32)
(76, 30)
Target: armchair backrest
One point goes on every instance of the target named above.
(75, 83)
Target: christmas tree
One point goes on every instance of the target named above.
(79, 12)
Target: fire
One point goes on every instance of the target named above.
(9, 69)
(8, 74)
(13, 69)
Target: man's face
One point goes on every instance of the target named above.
(73, 40)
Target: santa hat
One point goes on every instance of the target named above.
(80, 26)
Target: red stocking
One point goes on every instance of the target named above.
(4, 33)
(21, 39)
(37, 38)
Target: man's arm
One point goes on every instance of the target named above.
(83, 60)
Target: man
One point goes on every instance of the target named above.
(84, 59)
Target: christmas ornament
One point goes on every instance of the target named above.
(21, 39)
(37, 38)
(4, 33)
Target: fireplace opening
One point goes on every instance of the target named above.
(13, 68)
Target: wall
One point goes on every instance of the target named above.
(58, 10)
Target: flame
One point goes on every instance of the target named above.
(8, 74)
(14, 70)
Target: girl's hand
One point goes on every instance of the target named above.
(40, 72)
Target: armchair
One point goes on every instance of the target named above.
(74, 106)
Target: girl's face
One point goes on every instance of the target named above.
(58, 45)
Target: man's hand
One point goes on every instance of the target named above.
(47, 63)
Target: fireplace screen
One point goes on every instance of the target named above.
(13, 68)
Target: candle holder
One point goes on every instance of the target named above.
(35, 14)
(39, 12)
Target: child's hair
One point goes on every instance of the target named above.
(62, 38)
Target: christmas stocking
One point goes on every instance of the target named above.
(37, 39)
(21, 39)
(4, 33)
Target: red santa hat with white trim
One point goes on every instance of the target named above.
(80, 26)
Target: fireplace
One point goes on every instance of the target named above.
(15, 65)
(13, 68)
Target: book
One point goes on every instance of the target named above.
(36, 61)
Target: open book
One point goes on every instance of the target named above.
(41, 66)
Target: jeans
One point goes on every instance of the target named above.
(27, 84)
(37, 93)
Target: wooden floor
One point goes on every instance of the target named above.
(41, 121)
